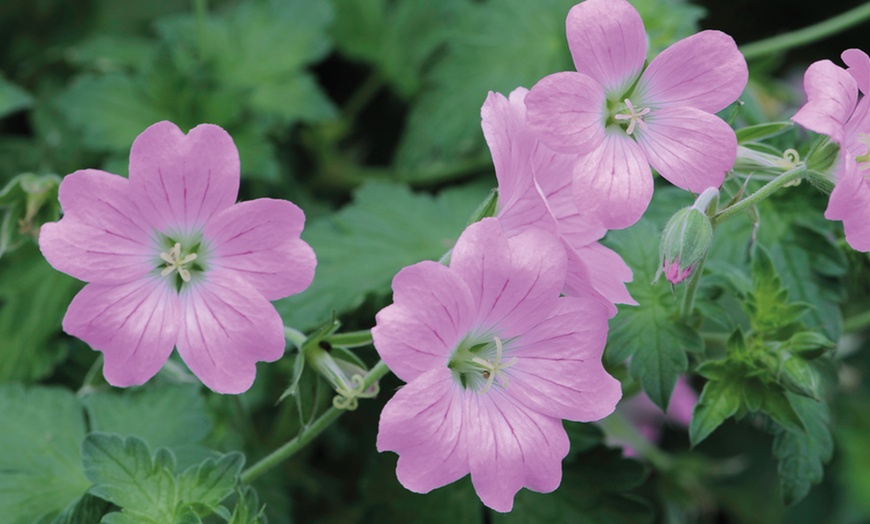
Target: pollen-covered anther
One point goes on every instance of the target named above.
(174, 261)
(491, 370)
(635, 117)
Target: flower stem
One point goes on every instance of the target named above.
(297, 338)
(619, 428)
(808, 34)
(857, 322)
(768, 189)
(351, 339)
(200, 8)
(308, 433)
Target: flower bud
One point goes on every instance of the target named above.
(823, 156)
(686, 239)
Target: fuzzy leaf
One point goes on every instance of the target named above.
(210, 482)
(719, 400)
(12, 98)
(801, 454)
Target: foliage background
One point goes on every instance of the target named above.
(366, 114)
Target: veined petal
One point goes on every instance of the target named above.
(608, 272)
(226, 327)
(259, 240)
(705, 71)
(567, 112)
(432, 311)
(102, 237)
(608, 42)
(514, 281)
(691, 148)
(513, 149)
(423, 423)
(134, 324)
(558, 370)
(577, 225)
(578, 281)
(831, 97)
(614, 182)
(850, 202)
(180, 180)
(859, 67)
(511, 447)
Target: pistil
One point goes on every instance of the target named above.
(634, 117)
(174, 261)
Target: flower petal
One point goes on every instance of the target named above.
(705, 71)
(850, 202)
(831, 97)
(102, 237)
(226, 327)
(511, 447)
(180, 180)
(614, 182)
(691, 148)
(432, 311)
(134, 324)
(608, 272)
(608, 42)
(513, 282)
(259, 240)
(558, 370)
(423, 423)
(859, 67)
(567, 111)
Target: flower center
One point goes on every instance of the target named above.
(477, 366)
(865, 140)
(175, 261)
(634, 117)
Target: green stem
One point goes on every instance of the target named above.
(807, 35)
(856, 323)
(351, 339)
(200, 8)
(765, 191)
(619, 428)
(92, 376)
(308, 433)
(362, 96)
(297, 338)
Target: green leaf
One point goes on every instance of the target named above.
(762, 131)
(778, 404)
(802, 454)
(361, 248)
(598, 492)
(649, 333)
(12, 98)
(168, 415)
(210, 482)
(87, 509)
(767, 304)
(125, 473)
(397, 37)
(298, 98)
(248, 509)
(33, 299)
(110, 110)
(40, 462)
(719, 400)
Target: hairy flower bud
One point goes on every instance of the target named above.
(686, 239)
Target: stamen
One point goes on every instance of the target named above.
(491, 370)
(635, 118)
(174, 261)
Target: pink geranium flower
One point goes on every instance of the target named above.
(494, 358)
(623, 118)
(533, 190)
(173, 261)
(833, 109)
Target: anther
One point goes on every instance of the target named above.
(635, 118)
(174, 261)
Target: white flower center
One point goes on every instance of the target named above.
(634, 117)
(174, 261)
(471, 368)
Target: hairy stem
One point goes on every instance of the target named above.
(765, 191)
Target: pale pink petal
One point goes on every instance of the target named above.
(608, 42)
(577, 225)
(682, 403)
(423, 423)
(513, 148)
(558, 370)
(859, 67)
(857, 129)
(567, 112)
(101, 238)
(608, 272)
(705, 71)
(226, 327)
(578, 281)
(180, 180)
(691, 148)
(135, 325)
(512, 281)
(259, 240)
(831, 97)
(850, 202)
(614, 182)
(432, 311)
(511, 447)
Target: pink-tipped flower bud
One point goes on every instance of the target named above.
(686, 239)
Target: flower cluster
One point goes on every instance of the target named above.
(173, 262)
